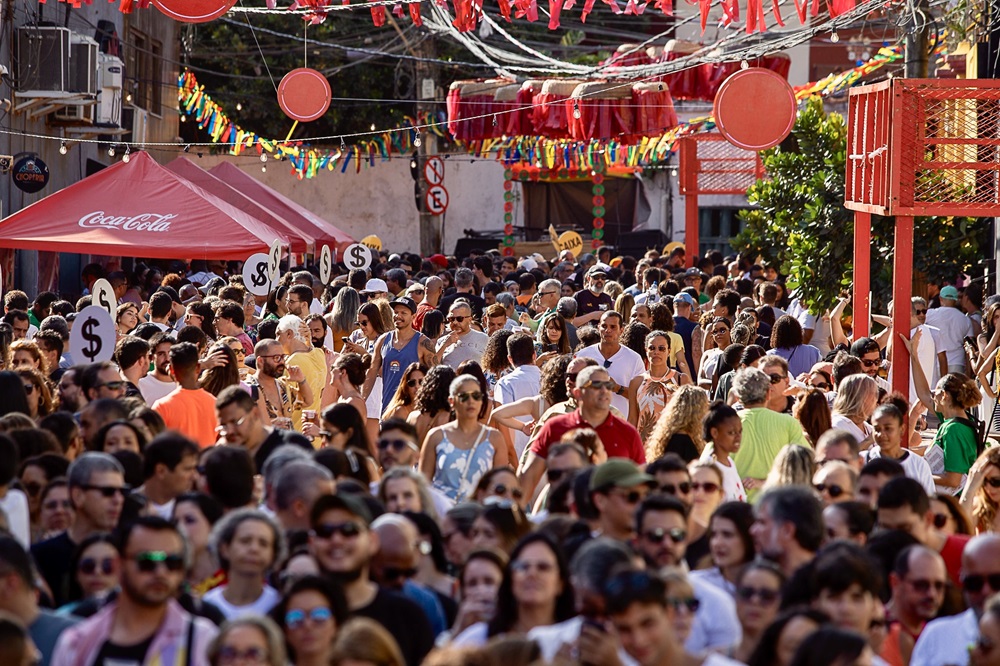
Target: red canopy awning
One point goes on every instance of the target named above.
(185, 168)
(310, 223)
(137, 209)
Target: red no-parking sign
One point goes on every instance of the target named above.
(436, 199)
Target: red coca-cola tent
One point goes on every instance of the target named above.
(185, 168)
(307, 221)
(137, 209)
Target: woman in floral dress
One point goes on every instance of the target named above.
(651, 391)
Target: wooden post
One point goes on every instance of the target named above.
(862, 273)
(902, 289)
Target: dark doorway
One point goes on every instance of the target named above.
(569, 204)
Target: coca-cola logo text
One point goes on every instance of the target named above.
(142, 222)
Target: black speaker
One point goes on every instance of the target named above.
(635, 243)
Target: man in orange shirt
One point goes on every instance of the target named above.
(188, 409)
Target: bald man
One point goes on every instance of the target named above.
(947, 639)
(433, 290)
(395, 566)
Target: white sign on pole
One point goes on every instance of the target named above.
(256, 277)
(358, 257)
(274, 260)
(325, 265)
(93, 336)
(103, 295)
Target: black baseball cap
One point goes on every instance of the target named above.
(404, 301)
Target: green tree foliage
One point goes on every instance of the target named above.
(798, 220)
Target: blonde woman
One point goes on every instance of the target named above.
(624, 305)
(679, 429)
(793, 466)
(857, 398)
(982, 491)
(365, 641)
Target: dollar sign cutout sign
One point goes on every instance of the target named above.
(274, 260)
(255, 274)
(103, 295)
(93, 336)
(358, 257)
(325, 265)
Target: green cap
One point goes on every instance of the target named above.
(619, 473)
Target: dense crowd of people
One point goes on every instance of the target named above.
(493, 460)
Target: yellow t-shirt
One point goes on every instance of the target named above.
(313, 364)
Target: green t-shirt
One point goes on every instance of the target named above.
(958, 441)
(765, 433)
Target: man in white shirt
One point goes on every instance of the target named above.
(158, 383)
(947, 640)
(462, 343)
(622, 364)
(523, 382)
(954, 326)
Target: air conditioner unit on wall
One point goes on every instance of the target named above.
(136, 120)
(42, 59)
(109, 99)
(82, 65)
(75, 113)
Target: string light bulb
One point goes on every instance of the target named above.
(239, 106)
(263, 168)
(63, 148)
(576, 110)
(343, 146)
(127, 157)
(263, 157)
(834, 37)
(373, 127)
(417, 141)
(111, 151)
(744, 64)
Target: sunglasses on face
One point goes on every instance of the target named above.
(834, 490)
(676, 534)
(296, 617)
(362, 322)
(109, 491)
(690, 604)
(940, 520)
(974, 582)
(992, 481)
(630, 496)
(707, 486)
(88, 566)
(501, 489)
(396, 444)
(555, 475)
(920, 312)
(822, 386)
(466, 397)
(766, 596)
(599, 385)
(684, 487)
(413, 383)
(777, 379)
(870, 363)
(148, 561)
(326, 530)
(458, 318)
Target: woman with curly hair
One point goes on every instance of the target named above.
(431, 407)
(39, 394)
(678, 429)
(982, 491)
(787, 342)
(27, 354)
(401, 404)
(650, 392)
(633, 336)
(495, 362)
